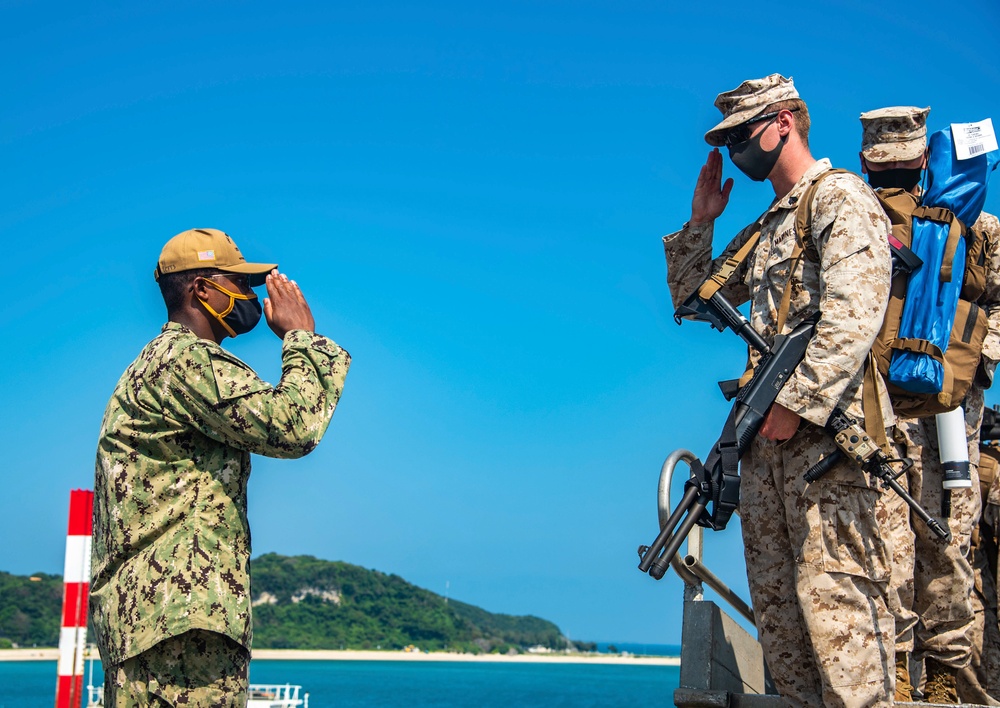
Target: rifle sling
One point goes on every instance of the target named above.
(724, 485)
(725, 272)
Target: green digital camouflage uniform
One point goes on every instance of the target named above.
(816, 562)
(197, 669)
(171, 547)
(932, 588)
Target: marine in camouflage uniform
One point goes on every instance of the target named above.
(816, 562)
(931, 592)
(170, 593)
(980, 680)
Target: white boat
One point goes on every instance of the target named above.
(260, 695)
(276, 696)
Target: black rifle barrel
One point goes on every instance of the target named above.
(881, 470)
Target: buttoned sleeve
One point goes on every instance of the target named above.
(222, 398)
(690, 263)
(850, 232)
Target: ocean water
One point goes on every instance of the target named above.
(373, 684)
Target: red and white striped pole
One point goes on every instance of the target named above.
(76, 576)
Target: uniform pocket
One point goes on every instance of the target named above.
(851, 539)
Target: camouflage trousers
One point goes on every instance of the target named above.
(197, 669)
(818, 572)
(931, 586)
(980, 681)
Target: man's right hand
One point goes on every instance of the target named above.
(710, 195)
(285, 307)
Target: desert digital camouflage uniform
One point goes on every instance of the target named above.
(980, 680)
(816, 562)
(171, 546)
(935, 577)
(932, 591)
(982, 677)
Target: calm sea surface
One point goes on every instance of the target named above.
(349, 684)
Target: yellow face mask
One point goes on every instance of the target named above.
(241, 316)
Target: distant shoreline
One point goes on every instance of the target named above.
(47, 654)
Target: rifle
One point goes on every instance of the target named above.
(717, 480)
(855, 444)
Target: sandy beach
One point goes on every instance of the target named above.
(49, 654)
(29, 654)
(557, 658)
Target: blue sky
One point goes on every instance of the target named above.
(472, 198)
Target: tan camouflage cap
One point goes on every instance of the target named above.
(748, 100)
(208, 248)
(898, 133)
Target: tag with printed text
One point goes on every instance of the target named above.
(973, 139)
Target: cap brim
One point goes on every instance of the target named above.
(895, 152)
(255, 272)
(716, 137)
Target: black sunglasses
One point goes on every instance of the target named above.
(742, 132)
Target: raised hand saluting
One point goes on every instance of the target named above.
(710, 195)
(285, 307)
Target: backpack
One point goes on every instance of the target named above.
(960, 358)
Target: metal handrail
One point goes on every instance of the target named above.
(690, 567)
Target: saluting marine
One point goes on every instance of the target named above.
(816, 563)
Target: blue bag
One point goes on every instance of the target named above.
(932, 294)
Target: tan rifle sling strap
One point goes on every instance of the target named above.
(870, 399)
(718, 279)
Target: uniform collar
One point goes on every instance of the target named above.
(791, 200)
(171, 326)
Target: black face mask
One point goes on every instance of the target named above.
(752, 160)
(241, 316)
(900, 177)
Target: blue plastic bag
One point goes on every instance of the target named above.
(929, 312)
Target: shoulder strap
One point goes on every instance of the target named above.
(803, 241)
(803, 214)
(722, 276)
(945, 216)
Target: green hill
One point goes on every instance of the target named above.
(30, 609)
(302, 602)
(307, 603)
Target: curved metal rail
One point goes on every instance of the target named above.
(690, 567)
